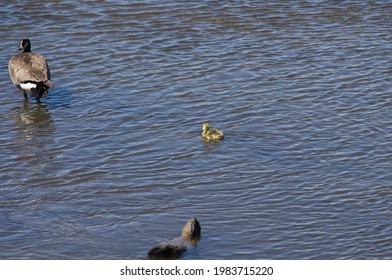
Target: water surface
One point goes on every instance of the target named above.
(112, 162)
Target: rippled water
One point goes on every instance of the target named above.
(112, 162)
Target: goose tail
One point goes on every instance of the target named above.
(41, 90)
(49, 84)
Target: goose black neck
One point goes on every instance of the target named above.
(27, 49)
(25, 46)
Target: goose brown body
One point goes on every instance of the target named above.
(30, 72)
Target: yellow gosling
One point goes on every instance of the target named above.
(211, 133)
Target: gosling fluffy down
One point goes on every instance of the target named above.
(211, 133)
(30, 72)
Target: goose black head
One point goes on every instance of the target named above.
(25, 45)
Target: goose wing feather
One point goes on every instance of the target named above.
(28, 67)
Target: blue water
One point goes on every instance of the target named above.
(112, 162)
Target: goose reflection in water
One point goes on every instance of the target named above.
(34, 135)
(32, 115)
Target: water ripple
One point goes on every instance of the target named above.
(113, 161)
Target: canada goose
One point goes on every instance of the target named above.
(29, 72)
(211, 133)
(191, 234)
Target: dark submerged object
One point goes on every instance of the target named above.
(30, 72)
(166, 252)
(190, 235)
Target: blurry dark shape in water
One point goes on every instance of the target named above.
(190, 235)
